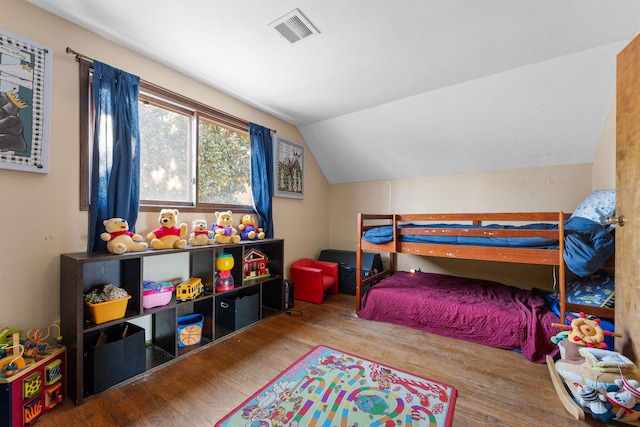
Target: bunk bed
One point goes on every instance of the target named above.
(541, 238)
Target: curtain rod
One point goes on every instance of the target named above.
(80, 57)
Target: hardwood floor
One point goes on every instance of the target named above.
(495, 387)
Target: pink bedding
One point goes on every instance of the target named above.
(473, 310)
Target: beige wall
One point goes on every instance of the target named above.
(44, 208)
(40, 213)
(536, 189)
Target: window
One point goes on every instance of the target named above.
(192, 156)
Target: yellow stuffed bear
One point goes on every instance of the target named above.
(200, 233)
(119, 239)
(168, 235)
(223, 228)
(248, 229)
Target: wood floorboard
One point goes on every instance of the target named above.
(495, 387)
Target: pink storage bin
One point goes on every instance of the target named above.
(156, 295)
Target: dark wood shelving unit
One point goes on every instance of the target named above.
(81, 271)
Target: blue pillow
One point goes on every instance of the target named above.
(597, 206)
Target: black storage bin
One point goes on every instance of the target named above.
(235, 311)
(371, 264)
(116, 360)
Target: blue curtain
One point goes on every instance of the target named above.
(115, 173)
(262, 175)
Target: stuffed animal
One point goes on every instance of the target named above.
(585, 331)
(223, 228)
(168, 235)
(596, 403)
(119, 239)
(248, 230)
(200, 233)
(625, 397)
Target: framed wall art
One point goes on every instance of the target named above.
(289, 168)
(25, 98)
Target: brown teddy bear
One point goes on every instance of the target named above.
(168, 235)
(119, 239)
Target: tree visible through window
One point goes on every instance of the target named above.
(224, 165)
(189, 159)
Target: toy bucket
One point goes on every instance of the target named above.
(190, 329)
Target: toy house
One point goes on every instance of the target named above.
(255, 265)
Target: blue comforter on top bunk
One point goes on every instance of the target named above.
(588, 244)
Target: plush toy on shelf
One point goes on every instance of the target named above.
(200, 233)
(169, 235)
(223, 228)
(119, 239)
(248, 229)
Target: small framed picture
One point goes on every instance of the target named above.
(288, 164)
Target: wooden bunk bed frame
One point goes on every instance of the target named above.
(522, 255)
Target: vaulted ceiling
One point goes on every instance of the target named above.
(388, 89)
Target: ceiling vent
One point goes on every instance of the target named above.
(294, 27)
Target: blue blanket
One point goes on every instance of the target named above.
(588, 245)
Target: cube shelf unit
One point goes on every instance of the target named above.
(79, 272)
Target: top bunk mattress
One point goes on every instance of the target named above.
(588, 245)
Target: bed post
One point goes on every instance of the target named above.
(561, 269)
(359, 265)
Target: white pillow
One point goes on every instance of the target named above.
(597, 206)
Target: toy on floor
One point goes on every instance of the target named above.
(591, 379)
(37, 341)
(13, 360)
(584, 331)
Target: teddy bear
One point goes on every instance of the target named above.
(223, 228)
(200, 233)
(248, 230)
(119, 239)
(168, 235)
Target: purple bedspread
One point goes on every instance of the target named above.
(473, 310)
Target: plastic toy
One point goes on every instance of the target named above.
(255, 265)
(189, 289)
(169, 235)
(34, 344)
(224, 264)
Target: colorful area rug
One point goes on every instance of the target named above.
(328, 387)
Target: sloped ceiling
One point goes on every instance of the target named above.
(397, 89)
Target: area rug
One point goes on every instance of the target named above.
(328, 387)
